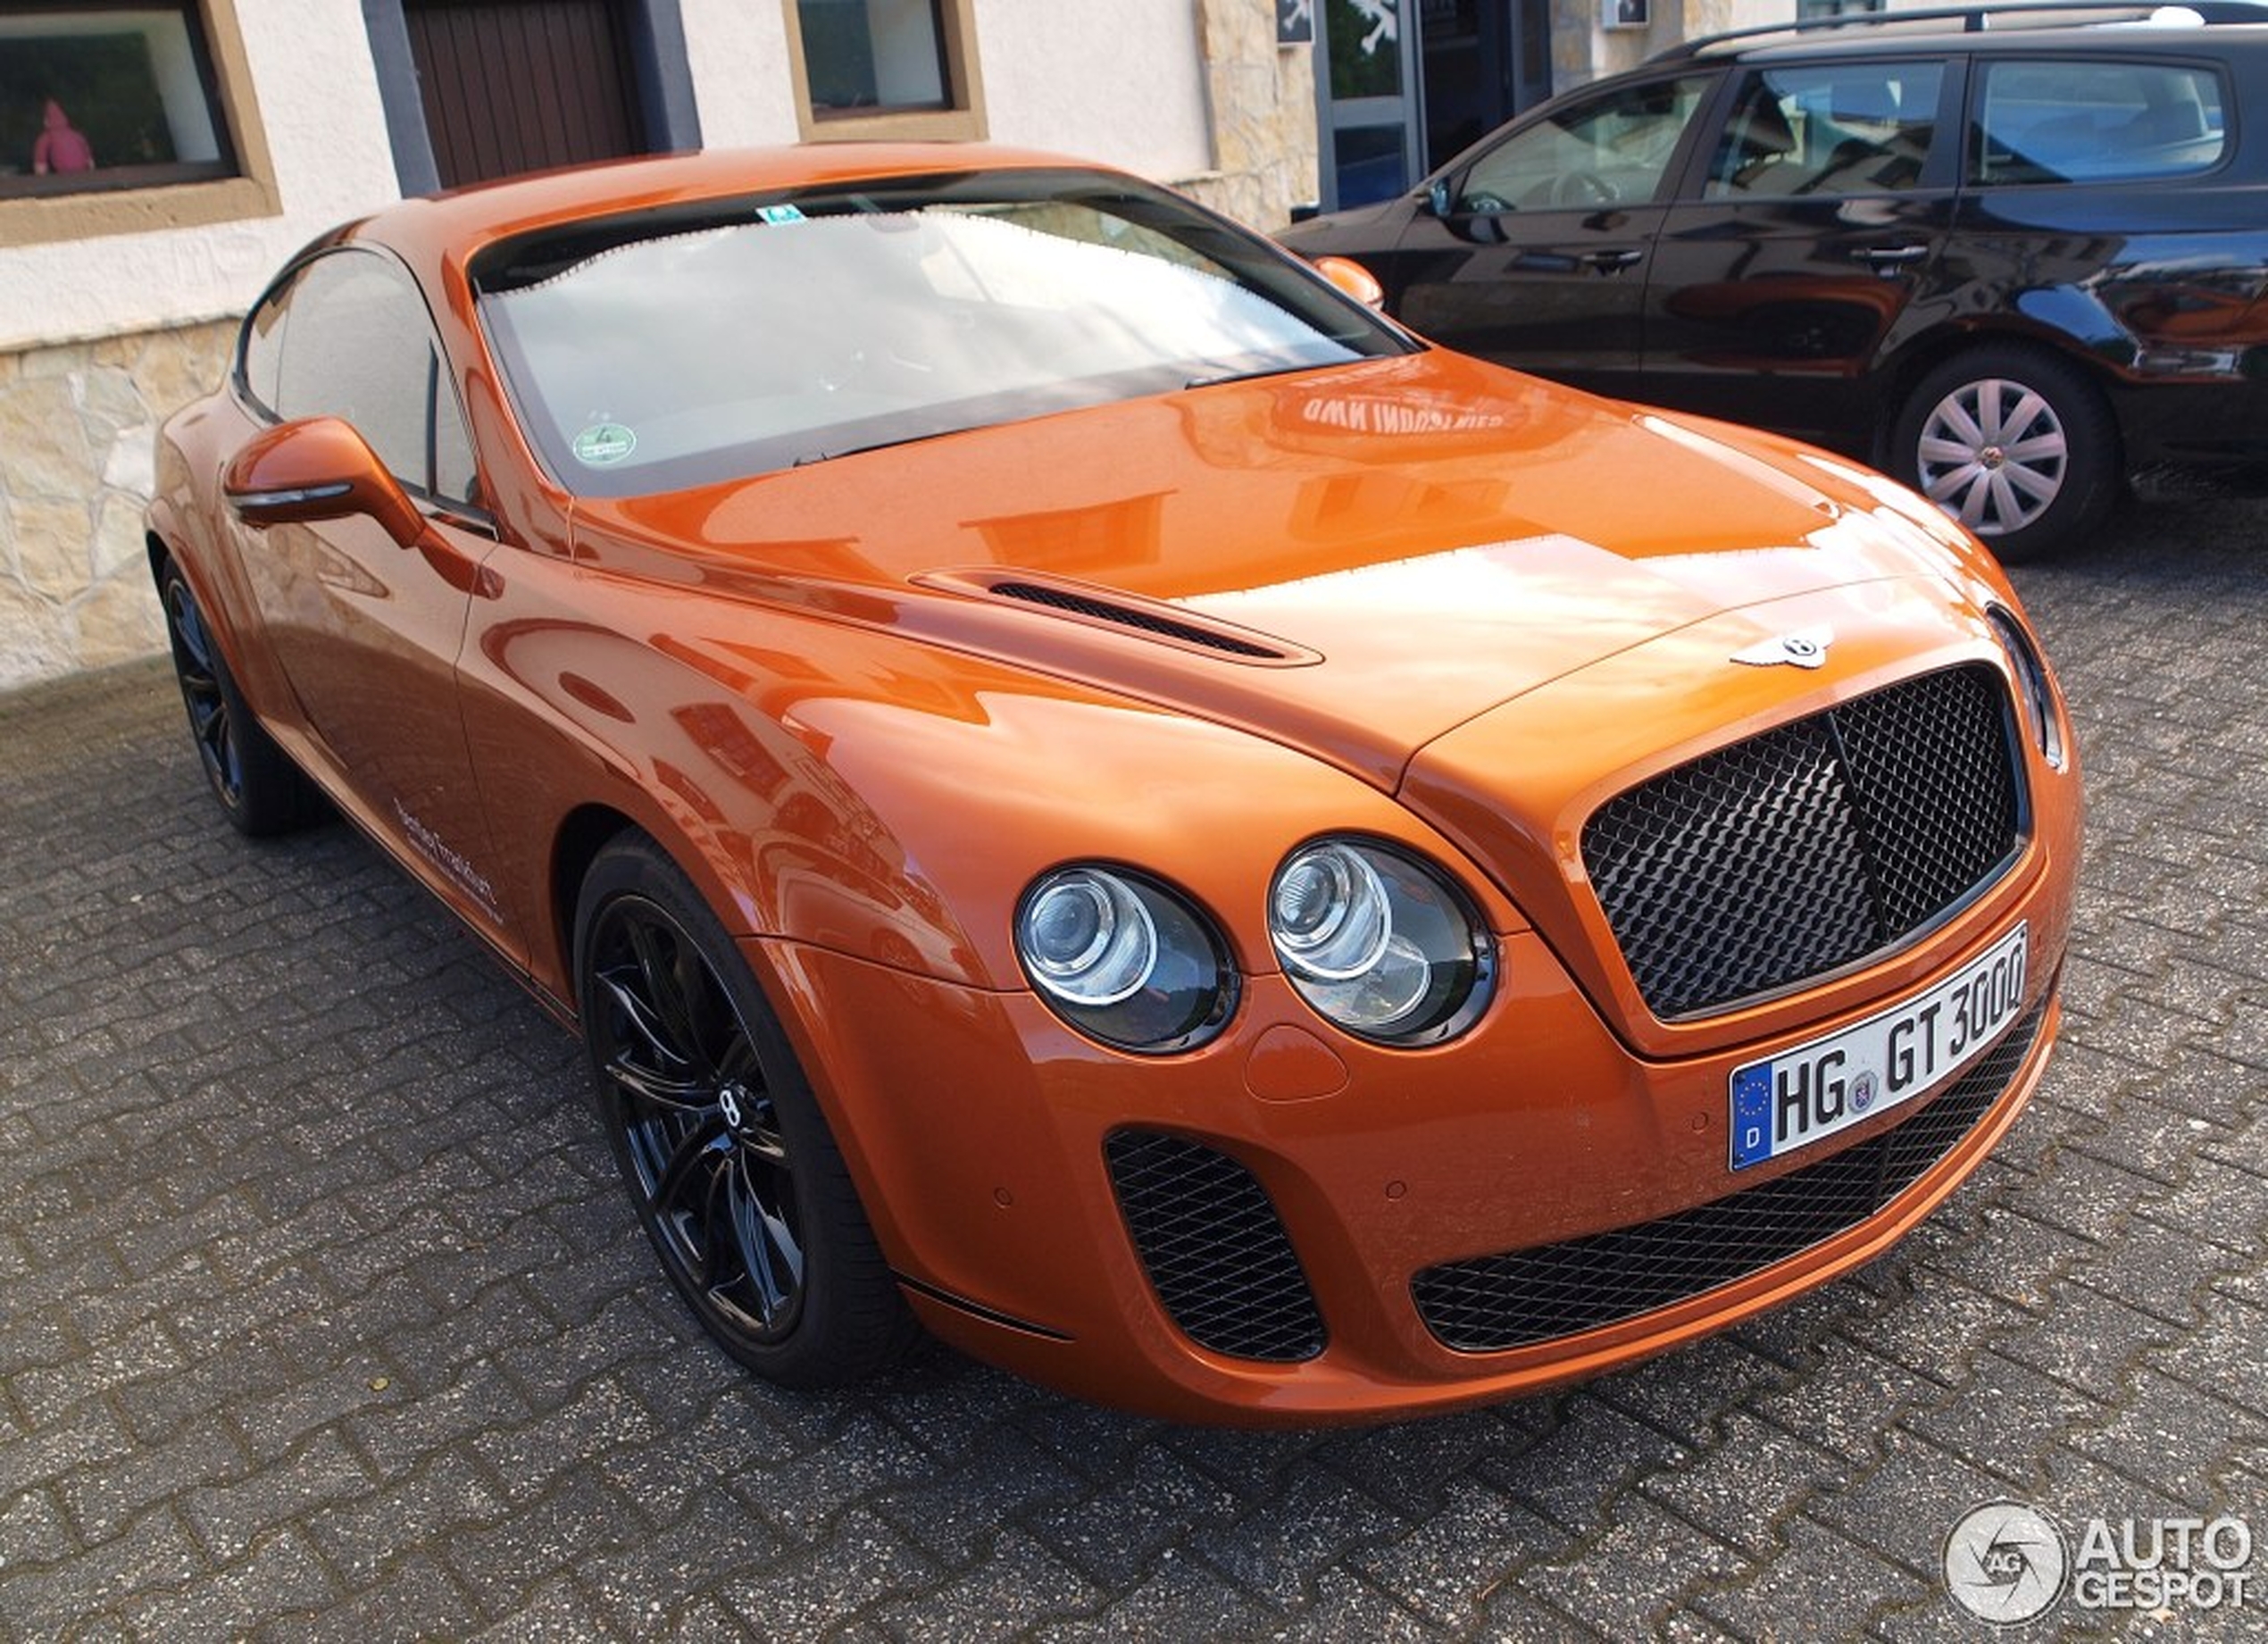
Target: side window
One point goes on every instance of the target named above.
(2094, 121)
(264, 333)
(348, 337)
(1615, 147)
(1830, 131)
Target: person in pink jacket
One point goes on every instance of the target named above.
(62, 145)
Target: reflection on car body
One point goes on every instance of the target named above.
(1083, 789)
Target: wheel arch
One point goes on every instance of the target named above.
(581, 834)
(1925, 354)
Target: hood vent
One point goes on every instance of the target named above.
(1108, 608)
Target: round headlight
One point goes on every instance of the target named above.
(1378, 942)
(1125, 960)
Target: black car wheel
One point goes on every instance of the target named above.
(728, 1159)
(2015, 444)
(255, 781)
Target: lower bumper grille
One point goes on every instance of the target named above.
(1492, 1303)
(1214, 1247)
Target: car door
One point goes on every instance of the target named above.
(366, 632)
(1804, 244)
(1535, 251)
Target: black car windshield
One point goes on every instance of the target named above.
(679, 348)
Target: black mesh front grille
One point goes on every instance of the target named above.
(1811, 846)
(1495, 1302)
(1215, 1249)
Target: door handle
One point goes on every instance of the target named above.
(1886, 259)
(1613, 261)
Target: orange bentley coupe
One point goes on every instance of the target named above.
(1087, 792)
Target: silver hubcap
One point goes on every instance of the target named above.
(1993, 454)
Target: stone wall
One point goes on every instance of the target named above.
(76, 423)
(1262, 98)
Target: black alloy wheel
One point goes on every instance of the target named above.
(258, 787)
(726, 1158)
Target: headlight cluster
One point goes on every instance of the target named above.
(2035, 690)
(1377, 942)
(1124, 959)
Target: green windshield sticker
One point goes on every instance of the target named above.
(603, 444)
(779, 214)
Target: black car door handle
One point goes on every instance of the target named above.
(1612, 262)
(1883, 259)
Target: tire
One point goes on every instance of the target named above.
(2016, 444)
(726, 1156)
(259, 789)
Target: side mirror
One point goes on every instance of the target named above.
(1438, 198)
(319, 469)
(1353, 279)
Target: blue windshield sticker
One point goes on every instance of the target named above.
(603, 444)
(779, 214)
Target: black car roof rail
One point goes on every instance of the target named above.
(1977, 19)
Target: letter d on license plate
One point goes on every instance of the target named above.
(1807, 1094)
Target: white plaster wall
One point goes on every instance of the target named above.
(319, 105)
(737, 53)
(1103, 79)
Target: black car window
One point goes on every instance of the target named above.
(347, 336)
(1613, 146)
(2096, 120)
(1829, 131)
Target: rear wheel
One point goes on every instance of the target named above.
(2015, 443)
(728, 1160)
(259, 788)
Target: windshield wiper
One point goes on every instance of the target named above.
(810, 457)
(1248, 376)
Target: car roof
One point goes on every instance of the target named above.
(452, 227)
(2093, 25)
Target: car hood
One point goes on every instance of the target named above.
(1352, 561)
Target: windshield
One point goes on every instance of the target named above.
(673, 349)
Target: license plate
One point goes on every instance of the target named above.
(1806, 1095)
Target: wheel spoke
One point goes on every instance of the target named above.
(1959, 426)
(671, 980)
(1956, 478)
(2031, 411)
(771, 1256)
(1937, 452)
(1976, 499)
(641, 1017)
(694, 1149)
(2005, 512)
(2039, 488)
(651, 1088)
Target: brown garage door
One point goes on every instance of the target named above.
(519, 85)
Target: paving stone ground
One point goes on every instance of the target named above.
(321, 1317)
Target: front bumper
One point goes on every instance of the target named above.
(1014, 1171)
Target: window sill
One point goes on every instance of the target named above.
(93, 213)
(927, 125)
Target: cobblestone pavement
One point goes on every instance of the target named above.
(321, 1315)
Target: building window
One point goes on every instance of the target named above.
(102, 97)
(901, 69)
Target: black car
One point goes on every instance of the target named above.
(2011, 255)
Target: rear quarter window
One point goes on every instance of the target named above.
(2096, 121)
